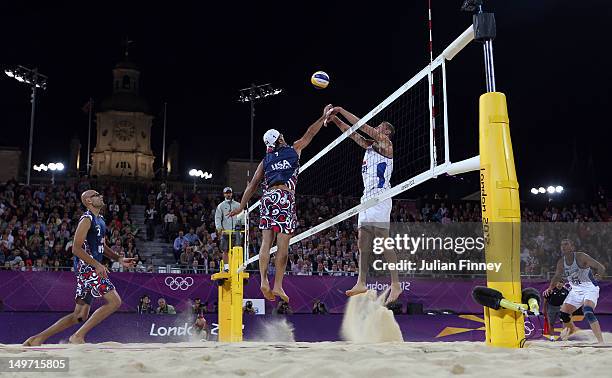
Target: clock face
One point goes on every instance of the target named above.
(124, 131)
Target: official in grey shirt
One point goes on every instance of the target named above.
(223, 223)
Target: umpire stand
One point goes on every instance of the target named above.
(231, 292)
(498, 194)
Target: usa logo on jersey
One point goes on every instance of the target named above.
(281, 165)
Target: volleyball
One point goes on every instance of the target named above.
(320, 80)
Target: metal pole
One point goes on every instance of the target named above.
(88, 167)
(33, 100)
(164, 142)
(489, 67)
(252, 130)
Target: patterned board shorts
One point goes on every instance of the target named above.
(89, 284)
(278, 212)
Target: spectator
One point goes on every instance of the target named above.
(224, 223)
(170, 224)
(131, 250)
(283, 308)
(179, 245)
(117, 247)
(319, 308)
(248, 308)
(150, 216)
(198, 308)
(145, 307)
(192, 238)
(164, 308)
(194, 266)
(39, 267)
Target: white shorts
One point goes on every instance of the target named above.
(379, 214)
(578, 295)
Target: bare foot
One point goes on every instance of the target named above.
(33, 341)
(396, 290)
(267, 293)
(357, 289)
(281, 293)
(74, 339)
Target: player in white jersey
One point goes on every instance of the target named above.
(576, 267)
(376, 171)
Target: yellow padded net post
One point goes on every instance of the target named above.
(231, 293)
(501, 219)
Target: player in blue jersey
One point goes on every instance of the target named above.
(92, 276)
(278, 171)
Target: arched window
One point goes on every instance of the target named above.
(126, 82)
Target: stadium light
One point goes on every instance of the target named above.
(198, 173)
(35, 80)
(53, 167)
(550, 189)
(252, 94)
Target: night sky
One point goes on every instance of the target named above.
(550, 59)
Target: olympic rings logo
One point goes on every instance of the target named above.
(176, 283)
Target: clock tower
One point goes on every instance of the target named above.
(123, 137)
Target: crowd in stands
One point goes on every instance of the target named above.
(188, 223)
(37, 225)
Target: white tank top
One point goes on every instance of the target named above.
(578, 277)
(376, 171)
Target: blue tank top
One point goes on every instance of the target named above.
(94, 240)
(281, 166)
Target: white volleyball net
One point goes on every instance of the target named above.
(330, 186)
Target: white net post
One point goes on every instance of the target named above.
(444, 104)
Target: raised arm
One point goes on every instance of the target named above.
(353, 119)
(249, 191)
(305, 140)
(361, 141)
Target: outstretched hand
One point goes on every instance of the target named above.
(326, 110)
(235, 212)
(128, 262)
(329, 112)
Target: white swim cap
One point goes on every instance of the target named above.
(270, 137)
